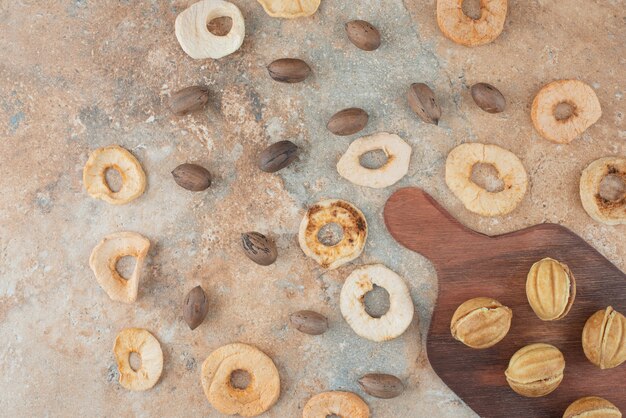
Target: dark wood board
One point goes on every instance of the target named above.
(470, 264)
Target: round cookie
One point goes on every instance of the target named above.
(262, 391)
(459, 165)
(393, 323)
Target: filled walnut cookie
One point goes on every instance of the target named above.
(604, 338)
(342, 404)
(550, 289)
(592, 407)
(290, 9)
(535, 370)
(481, 322)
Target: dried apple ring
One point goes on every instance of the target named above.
(342, 404)
(119, 159)
(584, 110)
(193, 33)
(459, 165)
(140, 341)
(290, 9)
(258, 396)
(398, 155)
(462, 29)
(395, 321)
(353, 225)
(105, 256)
(610, 210)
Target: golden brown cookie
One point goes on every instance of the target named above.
(535, 370)
(290, 9)
(464, 30)
(592, 407)
(258, 396)
(610, 212)
(584, 104)
(604, 338)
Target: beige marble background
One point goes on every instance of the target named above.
(80, 74)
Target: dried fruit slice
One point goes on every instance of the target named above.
(116, 158)
(262, 391)
(393, 323)
(194, 36)
(459, 165)
(463, 29)
(584, 110)
(398, 155)
(290, 9)
(348, 217)
(105, 256)
(611, 211)
(343, 404)
(140, 341)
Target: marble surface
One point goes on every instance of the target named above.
(81, 74)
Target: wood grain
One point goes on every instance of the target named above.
(470, 264)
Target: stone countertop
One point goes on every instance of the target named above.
(81, 74)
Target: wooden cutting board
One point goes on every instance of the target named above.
(470, 264)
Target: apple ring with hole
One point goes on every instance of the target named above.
(584, 111)
(194, 36)
(398, 154)
(341, 404)
(143, 343)
(462, 29)
(290, 9)
(351, 300)
(610, 210)
(333, 211)
(258, 396)
(459, 165)
(105, 256)
(119, 159)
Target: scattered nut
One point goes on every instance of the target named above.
(535, 370)
(363, 35)
(423, 103)
(259, 248)
(604, 338)
(192, 177)
(384, 386)
(278, 156)
(592, 407)
(289, 70)
(189, 99)
(309, 322)
(488, 98)
(348, 121)
(551, 289)
(195, 307)
(481, 322)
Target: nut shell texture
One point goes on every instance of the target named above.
(261, 393)
(342, 404)
(462, 29)
(140, 341)
(604, 338)
(550, 289)
(592, 407)
(290, 9)
(348, 121)
(535, 370)
(363, 35)
(459, 165)
(118, 158)
(393, 323)
(481, 322)
(195, 38)
(398, 154)
(577, 94)
(104, 258)
(601, 210)
(348, 217)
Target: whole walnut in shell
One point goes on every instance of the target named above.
(604, 338)
(550, 289)
(481, 322)
(535, 370)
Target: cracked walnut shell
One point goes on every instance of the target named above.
(535, 370)
(550, 289)
(481, 322)
(604, 338)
